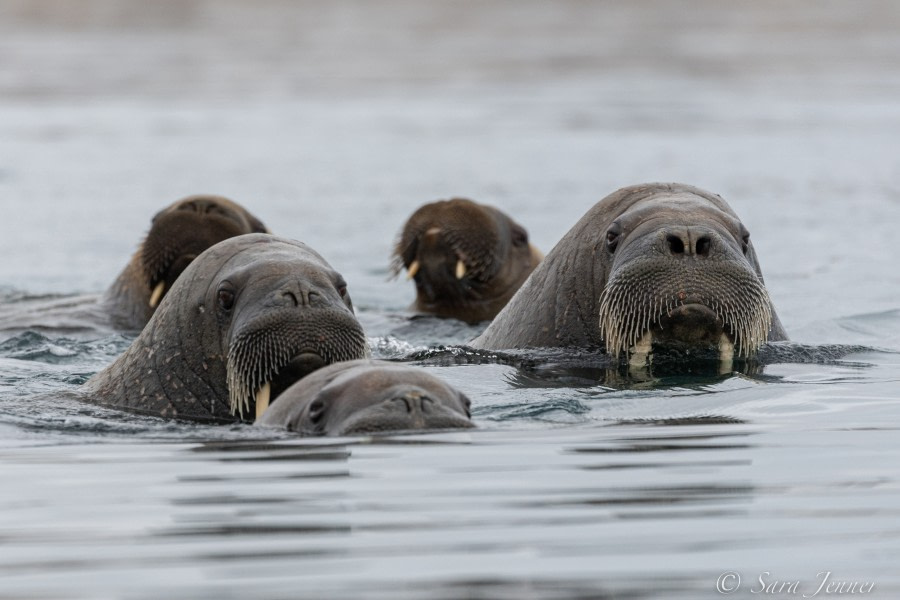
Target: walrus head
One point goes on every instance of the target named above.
(246, 319)
(180, 232)
(368, 397)
(681, 272)
(649, 265)
(467, 259)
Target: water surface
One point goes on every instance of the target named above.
(333, 122)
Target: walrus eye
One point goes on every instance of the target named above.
(342, 290)
(225, 297)
(612, 237)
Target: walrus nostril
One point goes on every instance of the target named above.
(202, 206)
(703, 245)
(316, 411)
(290, 296)
(414, 402)
(407, 405)
(675, 243)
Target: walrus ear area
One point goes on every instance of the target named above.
(612, 236)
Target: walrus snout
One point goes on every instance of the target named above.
(413, 410)
(686, 285)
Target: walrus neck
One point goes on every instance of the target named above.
(567, 309)
(141, 379)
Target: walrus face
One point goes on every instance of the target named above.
(682, 273)
(365, 397)
(282, 317)
(180, 232)
(466, 259)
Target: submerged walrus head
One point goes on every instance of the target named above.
(369, 397)
(246, 319)
(657, 264)
(178, 234)
(467, 259)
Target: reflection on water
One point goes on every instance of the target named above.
(493, 513)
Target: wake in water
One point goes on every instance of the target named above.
(511, 389)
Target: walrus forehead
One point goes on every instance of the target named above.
(260, 250)
(682, 208)
(648, 218)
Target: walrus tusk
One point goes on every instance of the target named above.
(641, 350)
(157, 294)
(460, 269)
(726, 355)
(413, 269)
(262, 399)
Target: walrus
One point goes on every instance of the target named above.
(466, 259)
(648, 266)
(368, 397)
(245, 320)
(178, 234)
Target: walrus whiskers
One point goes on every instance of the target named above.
(256, 357)
(628, 310)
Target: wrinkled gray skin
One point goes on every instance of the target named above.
(252, 309)
(669, 259)
(368, 397)
(494, 250)
(178, 234)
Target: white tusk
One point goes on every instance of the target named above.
(726, 355)
(262, 399)
(413, 269)
(157, 294)
(460, 269)
(640, 352)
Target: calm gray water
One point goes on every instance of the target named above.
(333, 122)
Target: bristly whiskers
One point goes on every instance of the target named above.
(637, 297)
(257, 355)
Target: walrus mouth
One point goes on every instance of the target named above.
(264, 361)
(643, 303)
(284, 377)
(468, 256)
(455, 241)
